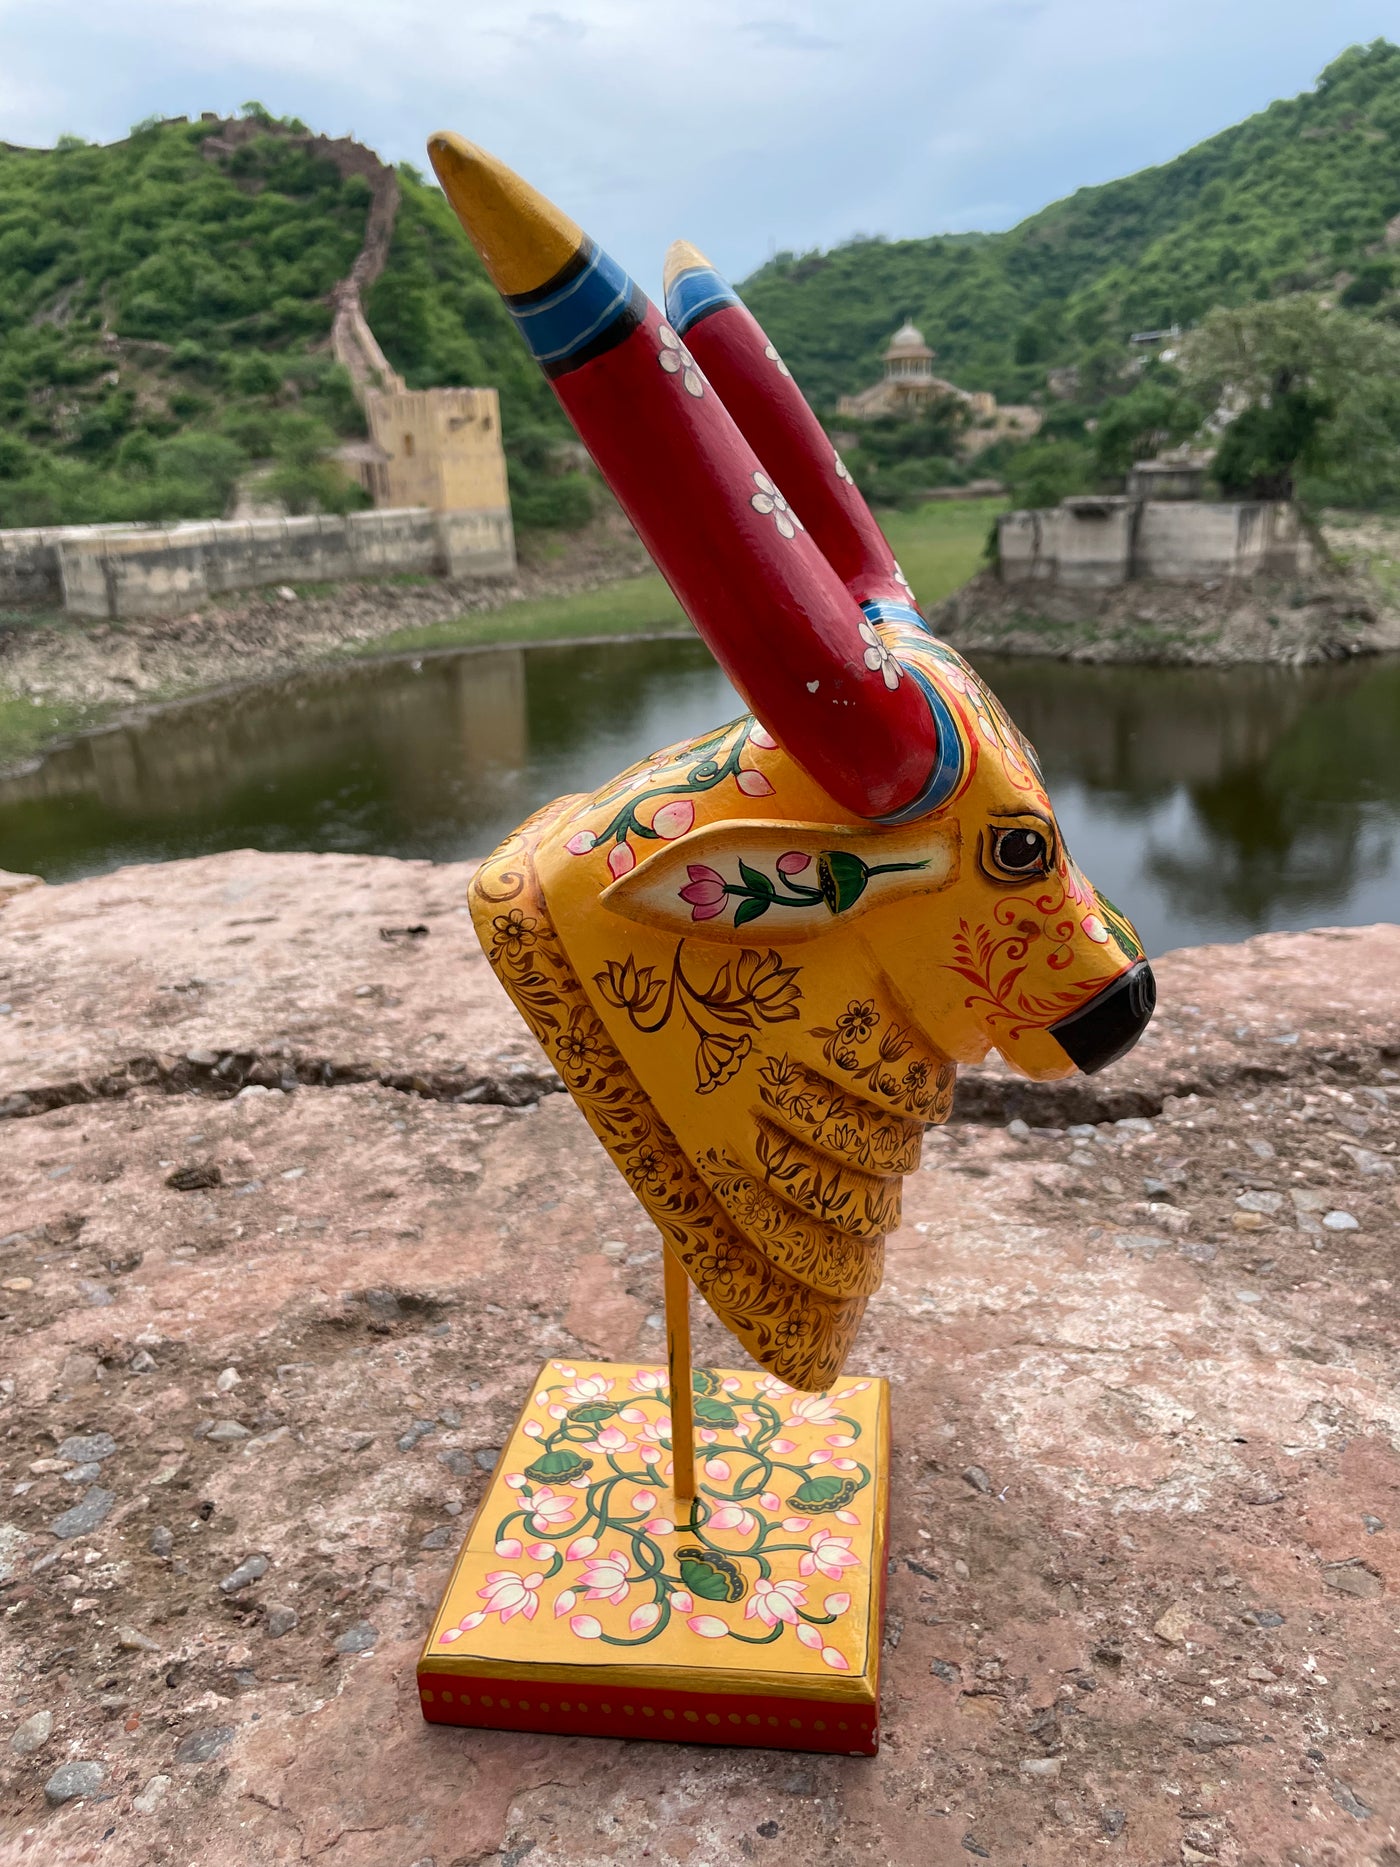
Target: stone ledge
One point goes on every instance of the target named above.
(1147, 1444)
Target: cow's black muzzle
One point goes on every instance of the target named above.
(1112, 1021)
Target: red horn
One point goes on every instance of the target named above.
(757, 388)
(782, 624)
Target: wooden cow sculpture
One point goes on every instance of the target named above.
(757, 958)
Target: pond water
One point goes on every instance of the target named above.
(1210, 804)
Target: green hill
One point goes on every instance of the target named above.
(165, 301)
(1298, 196)
(165, 314)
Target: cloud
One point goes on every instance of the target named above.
(781, 35)
(648, 119)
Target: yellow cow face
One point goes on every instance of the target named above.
(975, 920)
(760, 1006)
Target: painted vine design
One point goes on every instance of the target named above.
(842, 878)
(586, 1513)
(838, 1122)
(993, 965)
(713, 759)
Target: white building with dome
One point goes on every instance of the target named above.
(909, 385)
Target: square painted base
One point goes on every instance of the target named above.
(586, 1601)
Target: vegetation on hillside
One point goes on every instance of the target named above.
(1314, 390)
(159, 313)
(1296, 198)
(165, 310)
(165, 316)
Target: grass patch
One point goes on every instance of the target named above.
(26, 728)
(939, 546)
(635, 604)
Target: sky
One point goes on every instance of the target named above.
(748, 129)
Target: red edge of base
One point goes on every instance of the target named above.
(676, 1717)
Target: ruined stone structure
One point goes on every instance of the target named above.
(1158, 529)
(433, 464)
(439, 448)
(909, 385)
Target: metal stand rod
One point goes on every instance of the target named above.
(678, 1364)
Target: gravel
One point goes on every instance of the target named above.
(1355, 1579)
(251, 1569)
(1204, 1734)
(88, 1448)
(86, 1515)
(280, 1620)
(33, 1734)
(227, 1433)
(74, 1779)
(357, 1639)
(200, 1746)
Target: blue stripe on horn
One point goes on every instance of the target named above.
(895, 612)
(942, 781)
(593, 306)
(694, 295)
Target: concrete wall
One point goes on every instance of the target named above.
(1092, 543)
(29, 560)
(113, 572)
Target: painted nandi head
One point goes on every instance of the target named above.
(758, 957)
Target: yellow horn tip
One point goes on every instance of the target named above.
(523, 239)
(681, 257)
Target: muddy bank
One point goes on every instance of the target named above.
(1296, 622)
(1143, 1337)
(263, 634)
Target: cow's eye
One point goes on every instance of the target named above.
(1020, 852)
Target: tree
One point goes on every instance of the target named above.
(1044, 472)
(1301, 386)
(305, 479)
(1153, 415)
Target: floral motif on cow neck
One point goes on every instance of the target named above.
(680, 775)
(741, 993)
(887, 1060)
(800, 1332)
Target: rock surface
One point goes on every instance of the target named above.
(255, 634)
(1328, 615)
(1146, 1482)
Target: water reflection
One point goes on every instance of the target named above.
(1222, 802)
(1210, 803)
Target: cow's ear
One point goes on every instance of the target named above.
(796, 878)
